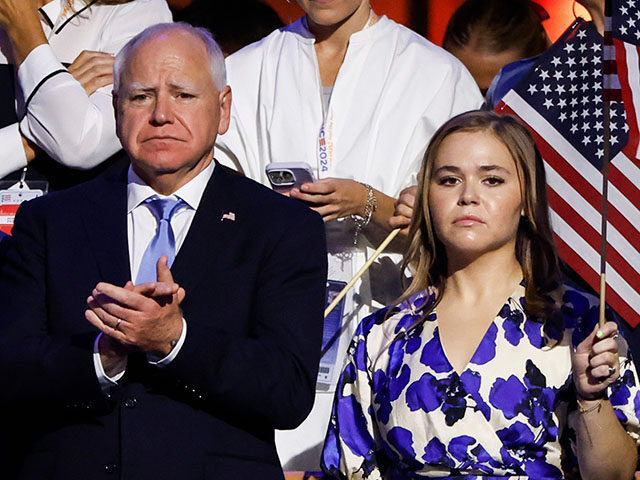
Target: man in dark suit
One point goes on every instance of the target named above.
(108, 373)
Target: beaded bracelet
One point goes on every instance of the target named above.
(369, 208)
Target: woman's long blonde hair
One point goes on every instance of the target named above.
(535, 250)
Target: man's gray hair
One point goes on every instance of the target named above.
(216, 57)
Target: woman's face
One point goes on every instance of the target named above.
(331, 12)
(474, 195)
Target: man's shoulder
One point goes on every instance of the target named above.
(72, 199)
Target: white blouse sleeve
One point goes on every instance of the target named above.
(12, 156)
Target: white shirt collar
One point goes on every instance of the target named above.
(138, 191)
(361, 36)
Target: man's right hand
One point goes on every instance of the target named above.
(145, 316)
(113, 353)
(93, 70)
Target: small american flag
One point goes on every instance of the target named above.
(228, 216)
(561, 100)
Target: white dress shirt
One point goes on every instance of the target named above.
(141, 228)
(54, 110)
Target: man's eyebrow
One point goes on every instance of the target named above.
(138, 87)
(182, 86)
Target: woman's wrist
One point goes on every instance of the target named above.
(586, 403)
(25, 36)
(596, 396)
(588, 406)
(370, 206)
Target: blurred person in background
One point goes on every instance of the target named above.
(511, 73)
(487, 34)
(235, 25)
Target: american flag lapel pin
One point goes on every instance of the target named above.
(228, 216)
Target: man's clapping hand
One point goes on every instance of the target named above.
(145, 316)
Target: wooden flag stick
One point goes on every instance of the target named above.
(605, 204)
(364, 268)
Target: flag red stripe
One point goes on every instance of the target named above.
(580, 185)
(593, 238)
(593, 279)
(588, 233)
(632, 121)
(589, 193)
(624, 185)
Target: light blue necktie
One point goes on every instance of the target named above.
(163, 243)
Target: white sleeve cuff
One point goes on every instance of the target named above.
(105, 381)
(163, 362)
(34, 70)
(12, 156)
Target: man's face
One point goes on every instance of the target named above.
(168, 110)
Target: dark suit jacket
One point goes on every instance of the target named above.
(255, 294)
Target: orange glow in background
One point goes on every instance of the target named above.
(439, 12)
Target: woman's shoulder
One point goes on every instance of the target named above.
(266, 46)
(577, 300)
(411, 45)
(393, 320)
(580, 310)
(245, 66)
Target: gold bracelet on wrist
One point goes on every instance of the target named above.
(596, 407)
(370, 206)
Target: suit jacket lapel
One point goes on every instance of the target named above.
(208, 233)
(105, 221)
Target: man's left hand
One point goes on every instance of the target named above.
(146, 316)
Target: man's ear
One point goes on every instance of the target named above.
(224, 98)
(114, 102)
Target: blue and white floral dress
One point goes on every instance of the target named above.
(402, 411)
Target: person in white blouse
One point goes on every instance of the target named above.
(63, 113)
(357, 97)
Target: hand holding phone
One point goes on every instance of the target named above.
(283, 176)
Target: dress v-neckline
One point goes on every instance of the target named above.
(492, 328)
(452, 369)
